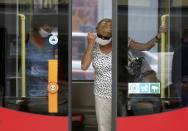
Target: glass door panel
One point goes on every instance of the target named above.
(34, 62)
(149, 79)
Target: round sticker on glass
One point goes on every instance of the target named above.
(53, 40)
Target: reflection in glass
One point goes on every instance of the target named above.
(150, 79)
(32, 30)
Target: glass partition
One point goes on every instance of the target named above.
(152, 74)
(34, 69)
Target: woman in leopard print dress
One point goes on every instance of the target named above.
(99, 52)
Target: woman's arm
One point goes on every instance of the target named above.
(143, 46)
(147, 46)
(87, 58)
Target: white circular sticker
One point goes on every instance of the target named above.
(134, 88)
(52, 87)
(53, 40)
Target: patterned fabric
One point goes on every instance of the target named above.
(102, 64)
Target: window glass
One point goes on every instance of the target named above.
(33, 55)
(152, 77)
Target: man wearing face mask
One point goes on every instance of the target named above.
(99, 52)
(38, 52)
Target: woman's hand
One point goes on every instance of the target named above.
(87, 58)
(161, 30)
(91, 38)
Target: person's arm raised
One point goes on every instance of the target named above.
(143, 46)
(87, 58)
(147, 46)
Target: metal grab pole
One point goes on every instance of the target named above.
(23, 53)
(163, 43)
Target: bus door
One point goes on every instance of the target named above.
(34, 69)
(138, 91)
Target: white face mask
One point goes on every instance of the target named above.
(43, 33)
(103, 42)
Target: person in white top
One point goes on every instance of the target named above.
(99, 52)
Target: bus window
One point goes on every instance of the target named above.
(35, 49)
(151, 75)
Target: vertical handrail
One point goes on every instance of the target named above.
(163, 43)
(53, 3)
(48, 3)
(42, 3)
(23, 53)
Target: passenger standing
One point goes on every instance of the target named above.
(99, 52)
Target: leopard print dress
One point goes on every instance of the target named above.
(102, 64)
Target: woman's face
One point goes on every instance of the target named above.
(45, 31)
(103, 38)
(104, 35)
(47, 28)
